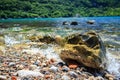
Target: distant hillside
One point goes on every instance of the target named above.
(58, 8)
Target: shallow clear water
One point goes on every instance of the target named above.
(18, 31)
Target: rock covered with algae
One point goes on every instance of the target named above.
(87, 49)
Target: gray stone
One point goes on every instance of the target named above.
(53, 69)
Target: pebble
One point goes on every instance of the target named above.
(3, 77)
(53, 69)
(43, 64)
(13, 78)
(65, 69)
(58, 76)
(109, 76)
(91, 78)
(36, 63)
(33, 67)
(47, 76)
(73, 66)
(11, 64)
(73, 74)
(61, 64)
(65, 77)
(25, 73)
(99, 78)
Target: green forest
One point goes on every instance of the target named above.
(58, 8)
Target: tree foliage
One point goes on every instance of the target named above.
(58, 8)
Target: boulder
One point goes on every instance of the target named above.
(74, 23)
(87, 49)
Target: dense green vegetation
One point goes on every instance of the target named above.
(58, 8)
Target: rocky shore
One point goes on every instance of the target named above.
(18, 65)
(31, 61)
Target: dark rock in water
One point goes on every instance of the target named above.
(65, 23)
(74, 23)
(87, 49)
(90, 21)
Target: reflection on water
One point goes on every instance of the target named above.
(108, 29)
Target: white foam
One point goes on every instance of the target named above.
(50, 53)
(10, 40)
(113, 65)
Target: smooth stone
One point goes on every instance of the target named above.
(109, 76)
(20, 66)
(36, 63)
(91, 78)
(58, 76)
(65, 77)
(73, 74)
(45, 72)
(99, 78)
(65, 69)
(53, 69)
(47, 76)
(26, 73)
(60, 64)
(12, 64)
(33, 67)
(3, 77)
(26, 78)
(43, 64)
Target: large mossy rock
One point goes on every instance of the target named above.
(86, 49)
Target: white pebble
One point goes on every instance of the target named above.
(26, 73)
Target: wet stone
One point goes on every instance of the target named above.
(65, 77)
(65, 69)
(73, 74)
(61, 64)
(53, 69)
(12, 64)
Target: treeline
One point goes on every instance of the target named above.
(58, 8)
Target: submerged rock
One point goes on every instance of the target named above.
(74, 23)
(87, 49)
